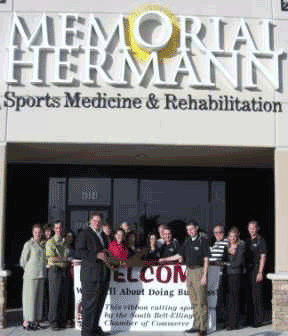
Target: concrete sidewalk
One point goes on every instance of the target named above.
(14, 318)
(263, 331)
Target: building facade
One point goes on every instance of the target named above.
(126, 107)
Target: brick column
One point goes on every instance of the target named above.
(280, 277)
(3, 299)
(279, 301)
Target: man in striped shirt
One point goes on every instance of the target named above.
(216, 252)
(216, 255)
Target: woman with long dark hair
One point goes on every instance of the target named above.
(131, 243)
(152, 252)
(117, 247)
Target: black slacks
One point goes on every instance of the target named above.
(58, 295)
(233, 300)
(71, 300)
(46, 300)
(93, 298)
(255, 311)
(221, 299)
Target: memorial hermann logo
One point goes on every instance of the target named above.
(284, 5)
(139, 26)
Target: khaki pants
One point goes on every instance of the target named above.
(198, 295)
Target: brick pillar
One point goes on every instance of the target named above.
(279, 301)
(3, 296)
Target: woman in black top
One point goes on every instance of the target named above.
(153, 252)
(234, 256)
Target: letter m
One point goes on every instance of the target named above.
(20, 28)
(105, 42)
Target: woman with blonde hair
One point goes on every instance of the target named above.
(33, 262)
(234, 256)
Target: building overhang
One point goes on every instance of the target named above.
(139, 154)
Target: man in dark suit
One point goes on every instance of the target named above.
(94, 275)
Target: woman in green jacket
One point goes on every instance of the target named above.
(33, 262)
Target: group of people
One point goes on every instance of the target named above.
(98, 248)
(243, 264)
(48, 292)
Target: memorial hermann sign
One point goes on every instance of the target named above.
(126, 56)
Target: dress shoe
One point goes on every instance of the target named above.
(37, 326)
(27, 327)
(55, 326)
(232, 328)
(70, 324)
(192, 330)
(202, 333)
(100, 332)
(62, 324)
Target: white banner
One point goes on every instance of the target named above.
(153, 298)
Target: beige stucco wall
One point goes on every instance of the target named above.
(146, 126)
(281, 211)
